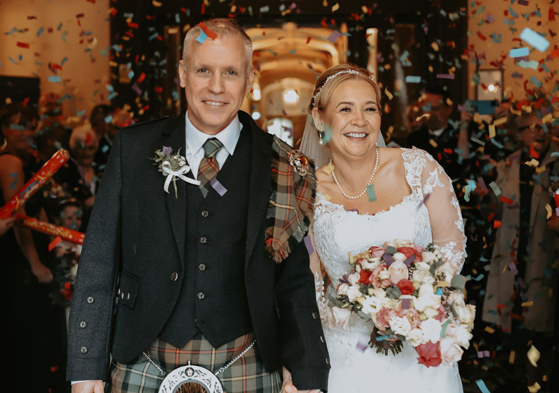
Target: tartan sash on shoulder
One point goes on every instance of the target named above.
(291, 205)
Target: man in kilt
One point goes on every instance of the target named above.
(194, 249)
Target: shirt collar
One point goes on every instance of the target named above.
(437, 132)
(229, 136)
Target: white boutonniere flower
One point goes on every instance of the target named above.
(172, 166)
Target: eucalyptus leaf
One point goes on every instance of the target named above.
(458, 281)
(391, 250)
(393, 292)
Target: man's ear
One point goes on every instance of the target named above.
(182, 73)
(318, 123)
(249, 79)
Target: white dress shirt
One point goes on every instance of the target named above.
(195, 139)
(437, 132)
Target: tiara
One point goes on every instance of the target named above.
(332, 77)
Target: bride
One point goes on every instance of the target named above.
(368, 195)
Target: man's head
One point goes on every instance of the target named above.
(216, 74)
(532, 133)
(98, 119)
(436, 103)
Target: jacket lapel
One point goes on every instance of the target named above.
(260, 182)
(175, 137)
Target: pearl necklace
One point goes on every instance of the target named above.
(365, 190)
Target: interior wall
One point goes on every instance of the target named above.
(74, 35)
(482, 40)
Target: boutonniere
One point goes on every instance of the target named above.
(172, 166)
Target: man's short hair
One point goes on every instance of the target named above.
(222, 27)
(439, 90)
(99, 112)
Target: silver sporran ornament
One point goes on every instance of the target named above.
(191, 378)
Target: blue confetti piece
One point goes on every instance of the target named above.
(64, 60)
(413, 79)
(535, 81)
(81, 113)
(108, 119)
(482, 387)
(520, 52)
(111, 96)
(509, 22)
(202, 36)
(40, 31)
(59, 26)
(500, 146)
(55, 79)
(105, 148)
(531, 37)
(131, 74)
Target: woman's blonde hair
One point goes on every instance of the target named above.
(332, 77)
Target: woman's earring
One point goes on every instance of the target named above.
(321, 138)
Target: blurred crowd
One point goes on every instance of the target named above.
(501, 158)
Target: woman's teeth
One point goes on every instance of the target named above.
(356, 135)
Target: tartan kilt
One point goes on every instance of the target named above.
(247, 374)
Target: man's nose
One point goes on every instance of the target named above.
(216, 85)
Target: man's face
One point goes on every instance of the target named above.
(532, 133)
(215, 78)
(438, 111)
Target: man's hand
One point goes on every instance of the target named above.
(43, 273)
(6, 224)
(88, 387)
(288, 386)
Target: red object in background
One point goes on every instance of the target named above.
(551, 13)
(51, 166)
(23, 45)
(497, 224)
(50, 229)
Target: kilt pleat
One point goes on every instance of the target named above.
(247, 374)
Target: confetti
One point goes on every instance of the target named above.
(55, 243)
(520, 52)
(482, 386)
(335, 7)
(445, 76)
(308, 244)
(413, 79)
(208, 32)
(371, 193)
(201, 37)
(216, 185)
(334, 36)
(531, 37)
(533, 356)
(55, 79)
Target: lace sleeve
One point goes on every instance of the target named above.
(444, 214)
(323, 308)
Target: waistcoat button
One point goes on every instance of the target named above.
(174, 276)
(202, 267)
(201, 295)
(205, 213)
(203, 240)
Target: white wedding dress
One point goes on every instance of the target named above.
(337, 232)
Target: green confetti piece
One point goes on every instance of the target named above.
(495, 188)
(371, 193)
(482, 143)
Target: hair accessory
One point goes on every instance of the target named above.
(332, 77)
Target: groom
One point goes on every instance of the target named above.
(200, 271)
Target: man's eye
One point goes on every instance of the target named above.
(202, 70)
(231, 72)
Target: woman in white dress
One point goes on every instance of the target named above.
(412, 198)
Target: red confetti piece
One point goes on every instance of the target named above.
(203, 10)
(555, 53)
(23, 45)
(88, 138)
(208, 32)
(309, 39)
(499, 306)
(133, 25)
(533, 152)
(555, 100)
(142, 77)
(55, 243)
(480, 35)
(551, 13)
(53, 369)
(497, 224)
(323, 23)
(114, 11)
(506, 200)
(538, 104)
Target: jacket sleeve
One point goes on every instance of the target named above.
(302, 342)
(91, 313)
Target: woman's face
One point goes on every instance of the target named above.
(18, 134)
(71, 218)
(353, 116)
(84, 153)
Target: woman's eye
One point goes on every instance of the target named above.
(371, 109)
(345, 109)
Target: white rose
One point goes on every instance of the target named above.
(342, 289)
(400, 325)
(403, 243)
(378, 292)
(426, 289)
(430, 312)
(466, 314)
(460, 333)
(353, 278)
(384, 275)
(372, 305)
(457, 299)
(372, 264)
(427, 300)
(422, 265)
(353, 293)
(399, 257)
(341, 316)
(416, 337)
(431, 330)
(420, 276)
(386, 302)
(428, 256)
(450, 352)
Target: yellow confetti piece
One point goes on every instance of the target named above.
(540, 169)
(435, 46)
(425, 115)
(449, 102)
(492, 131)
(328, 197)
(534, 388)
(528, 304)
(442, 284)
(500, 121)
(549, 214)
(327, 170)
(515, 112)
(335, 7)
(433, 143)
(547, 118)
(364, 9)
(325, 3)
(185, 28)
(477, 118)
(8, 100)
(156, 3)
(512, 356)
(489, 330)
(388, 94)
(533, 162)
(233, 9)
(533, 356)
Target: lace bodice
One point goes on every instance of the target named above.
(430, 213)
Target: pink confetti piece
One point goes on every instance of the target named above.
(513, 268)
(308, 244)
(216, 185)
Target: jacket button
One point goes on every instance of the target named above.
(205, 213)
(201, 295)
(83, 324)
(90, 299)
(202, 267)
(203, 240)
(174, 276)
(322, 338)
(83, 350)
(327, 361)
(314, 315)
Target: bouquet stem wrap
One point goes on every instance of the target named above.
(50, 229)
(45, 173)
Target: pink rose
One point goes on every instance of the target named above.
(450, 352)
(398, 271)
(384, 317)
(442, 314)
(376, 280)
(412, 315)
(429, 354)
(376, 252)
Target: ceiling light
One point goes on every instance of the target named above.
(290, 96)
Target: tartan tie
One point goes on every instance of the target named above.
(209, 167)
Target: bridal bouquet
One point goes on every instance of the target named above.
(398, 287)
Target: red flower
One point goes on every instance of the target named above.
(376, 252)
(409, 251)
(429, 354)
(405, 286)
(364, 277)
